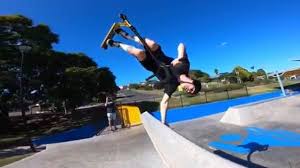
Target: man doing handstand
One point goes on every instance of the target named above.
(179, 67)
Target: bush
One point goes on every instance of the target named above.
(259, 82)
(223, 88)
(149, 106)
(146, 87)
(134, 86)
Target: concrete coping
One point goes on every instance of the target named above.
(178, 152)
(264, 101)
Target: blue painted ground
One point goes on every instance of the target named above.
(256, 139)
(86, 131)
(197, 111)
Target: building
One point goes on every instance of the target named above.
(288, 74)
(292, 74)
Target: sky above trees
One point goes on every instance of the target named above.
(218, 33)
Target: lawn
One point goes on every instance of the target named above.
(9, 160)
(38, 126)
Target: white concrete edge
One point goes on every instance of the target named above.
(260, 101)
(232, 114)
(178, 152)
(263, 101)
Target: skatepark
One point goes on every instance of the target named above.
(111, 84)
(261, 133)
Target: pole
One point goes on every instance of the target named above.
(181, 100)
(246, 90)
(280, 83)
(227, 94)
(21, 89)
(22, 104)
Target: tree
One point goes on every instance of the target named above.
(14, 30)
(229, 77)
(80, 85)
(200, 75)
(197, 74)
(261, 72)
(216, 72)
(5, 96)
(43, 66)
(242, 74)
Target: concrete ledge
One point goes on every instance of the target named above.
(178, 152)
(276, 110)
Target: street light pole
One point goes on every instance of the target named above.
(23, 49)
(280, 84)
(21, 88)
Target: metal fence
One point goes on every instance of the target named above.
(180, 99)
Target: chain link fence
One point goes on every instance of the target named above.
(180, 99)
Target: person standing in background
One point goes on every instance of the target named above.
(111, 112)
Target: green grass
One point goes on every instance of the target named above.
(9, 160)
(4, 140)
(261, 89)
(48, 126)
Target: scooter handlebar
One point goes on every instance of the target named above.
(123, 17)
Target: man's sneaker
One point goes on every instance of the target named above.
(166, 124)
(113, 43)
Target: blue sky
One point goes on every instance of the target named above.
(218, 33)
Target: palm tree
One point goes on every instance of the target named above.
(217, 72)
(218, 75)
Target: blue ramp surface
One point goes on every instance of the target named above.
(86, 131)
(197, 111)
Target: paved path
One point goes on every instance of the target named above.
(127, 149)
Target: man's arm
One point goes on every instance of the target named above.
(163, 107)
(106, 101)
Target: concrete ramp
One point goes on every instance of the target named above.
(127, 148)
(282, 110)
(178, 152)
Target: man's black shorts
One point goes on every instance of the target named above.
(150, 64)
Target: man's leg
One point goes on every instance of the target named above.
(136, 52)
(109, 120)
(151, 44)
(110, 125)
(114, 121)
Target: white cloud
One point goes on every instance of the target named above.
(294, 59)
(223, 44)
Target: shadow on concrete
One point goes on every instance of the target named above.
(124, 96)
(149, 106)
(238, 160)
(4, 153)
(253, 147)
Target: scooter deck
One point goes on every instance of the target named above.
(109, 35)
